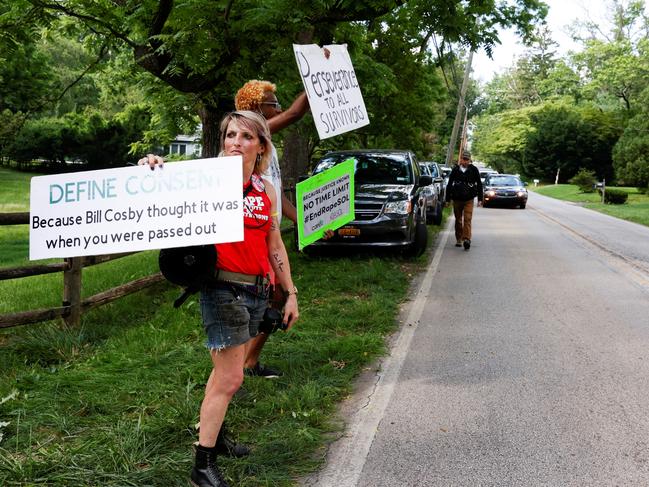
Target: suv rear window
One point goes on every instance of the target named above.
(372, 168)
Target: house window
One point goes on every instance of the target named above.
(178, 149)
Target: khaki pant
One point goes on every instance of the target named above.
(463, 211)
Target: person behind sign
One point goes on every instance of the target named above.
(259, 96)
(232, 307)
(464, 185)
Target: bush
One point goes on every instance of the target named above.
(585, 180)
(615, 196)
(98, 141)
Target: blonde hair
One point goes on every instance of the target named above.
(250, 95)
(257, 124)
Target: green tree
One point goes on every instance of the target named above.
(73, 86)
(25, 78)
(500, 139)
(613, 62)
(534, 77)
(631, 153)
(561, 81)
(88, 138)
(538, 141)
(568, 138)
(208, 48)
(613, 71)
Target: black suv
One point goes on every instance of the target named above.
(504, 189)
(390, 206)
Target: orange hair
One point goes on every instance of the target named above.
(250, 96)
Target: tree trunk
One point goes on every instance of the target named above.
(295, 158)
(211, 113)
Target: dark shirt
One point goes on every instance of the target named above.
(471, 176)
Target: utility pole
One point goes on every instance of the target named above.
(464, 130)
(458, 113)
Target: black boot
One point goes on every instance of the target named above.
(227, 446)
(205, 472)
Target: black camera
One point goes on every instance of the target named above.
(272, 321)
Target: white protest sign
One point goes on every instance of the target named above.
(332, 89)
(133, 208)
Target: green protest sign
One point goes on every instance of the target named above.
(324, 202)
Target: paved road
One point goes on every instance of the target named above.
(523, 362)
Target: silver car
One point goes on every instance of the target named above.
(439, 178)
(434, 199)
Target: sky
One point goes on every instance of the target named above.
(561, 14)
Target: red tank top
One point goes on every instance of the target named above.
(249, 256)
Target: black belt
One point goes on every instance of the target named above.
(238, 278)
(255, 284)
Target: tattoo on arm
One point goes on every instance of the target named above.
(273, 223)
(279, 262)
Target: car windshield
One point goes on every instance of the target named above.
(372, 168)
(503, 181)
(433, 170)
(425, 169)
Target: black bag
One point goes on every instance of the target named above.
(463, 190)
(188, 267)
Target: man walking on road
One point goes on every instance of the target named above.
(464, 185)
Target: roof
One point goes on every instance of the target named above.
(370, 151)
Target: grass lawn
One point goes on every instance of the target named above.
(14, 197)
(114, 402)
(15, 190)
(636, 209)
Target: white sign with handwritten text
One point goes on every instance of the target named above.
(331, 86)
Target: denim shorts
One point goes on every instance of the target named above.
(231, 314)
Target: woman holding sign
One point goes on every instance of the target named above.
(232, 308)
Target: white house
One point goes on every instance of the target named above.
(185, 145)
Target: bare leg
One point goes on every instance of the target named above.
(225, 379)
(254, 347)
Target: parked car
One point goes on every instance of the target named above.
(504, 189)
(484, 172)
(439, 179)
(389, 200)
(446, 172)
(434, 202)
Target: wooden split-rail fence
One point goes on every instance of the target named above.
(72, 306)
